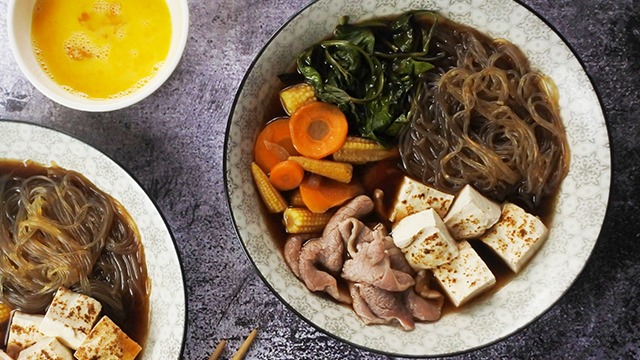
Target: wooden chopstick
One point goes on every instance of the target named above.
(244, 348)
(218, 351)
(242, 351)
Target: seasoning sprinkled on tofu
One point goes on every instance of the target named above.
(516, 236)
(471, 214)
(107, 341)
(47, 348)
(23, 332)
(413, 197)
(465, 277)
(70, 317)
(4, 356)
(424, 240)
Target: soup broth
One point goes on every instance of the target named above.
(386, 176)
(480, 115)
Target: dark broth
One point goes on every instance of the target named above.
(390, 185)
(136, 323)
(387, 175)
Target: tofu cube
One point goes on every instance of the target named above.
(465, 277)
(23, 332)
(413, 197)
(70, 317)
(424, 240)
(516, 236)
(471, 214)
(5, 356)
(107, 341)
(47, 348)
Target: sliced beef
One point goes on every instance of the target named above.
(421, 308)
(361, 307)
(370, 263)
(292, 247)
(354, 232)
(385, 305)
(315, 276)
(381, 282)
(377, 306)
(357, 208)
(424, 288)
(396, 257)
(424, 302)
(380, 208)
(321, 259)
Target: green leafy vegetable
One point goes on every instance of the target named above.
(369, 70)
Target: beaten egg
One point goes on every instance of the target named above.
(100, 48)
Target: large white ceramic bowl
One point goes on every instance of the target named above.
(577, 217)
(19, 17)
(167, 320)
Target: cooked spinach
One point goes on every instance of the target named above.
(369, 70)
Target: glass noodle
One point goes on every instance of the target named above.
(58, 229)
(487, 119)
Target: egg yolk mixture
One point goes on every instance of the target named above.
(100, 48)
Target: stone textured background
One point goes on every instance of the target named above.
(172, 143)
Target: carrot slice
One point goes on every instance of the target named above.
(273, 144)
(320, 194)
(286, 175)
(318, 129)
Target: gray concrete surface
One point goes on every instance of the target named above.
(172, 143)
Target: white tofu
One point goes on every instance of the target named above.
(70, 317)
(465, 277)
(471, 214)
(413, 197)
(23, 332)
(107, 341)
(424, 240)
(47, 348)
(516, 236)
(5, 356)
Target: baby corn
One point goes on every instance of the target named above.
(358, 150)
(296, 96)
(270, 196)
(338, 171)
(302, 220)
(295, 199)
(5, 313)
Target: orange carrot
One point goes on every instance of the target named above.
(318, 129)
(273, 144)
(320, 194)
(286, 175)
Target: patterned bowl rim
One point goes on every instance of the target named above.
(309, 321)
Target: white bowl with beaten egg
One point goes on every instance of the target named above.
(577, 214)
(86, 71)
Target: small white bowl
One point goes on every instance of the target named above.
(19, 17)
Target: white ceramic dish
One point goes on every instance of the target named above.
(578, 215)
(167, 301)
(19, 27)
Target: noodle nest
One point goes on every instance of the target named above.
(58, 230)
(487, 119)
